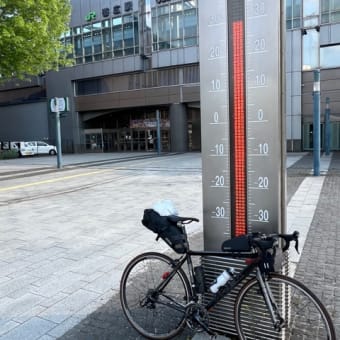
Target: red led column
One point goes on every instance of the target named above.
(238, 121)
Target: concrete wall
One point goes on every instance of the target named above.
(24, 122)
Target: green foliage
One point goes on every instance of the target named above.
(30, 32)
(8, 154)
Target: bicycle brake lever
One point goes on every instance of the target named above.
(296, 239)
(297, 246)
(288, 239)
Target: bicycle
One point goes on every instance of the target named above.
(159, 298)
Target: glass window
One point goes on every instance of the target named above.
(296, 13)
(78, 46)
(190, 23)
(188, 4)
(117, 38)
(164, 31)
(310, 8)
(97, 42)
(175, 25)
(87, 41)
(117, 21)
(97, 26)
(128, 38)
(176, 22)
(325, 12)
(128, 30)
(325, 5)
(76, 30)
(98, 57)
(88, 59)
(128, 19)
(335, 16)
(329, 56)
(107, 40)
(330, 11)
(67, 33)
(154, 30)
(105, 23)
(162, 10)
(87, 28)
(117, 31)
(177, 7)
(310, 51)
(289, 10)
(136, 31)
(293, 13)
(154, 12)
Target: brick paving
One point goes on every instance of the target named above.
(56, 278)
(319, 266)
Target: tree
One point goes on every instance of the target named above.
(30, 33)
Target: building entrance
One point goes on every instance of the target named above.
(125, 139)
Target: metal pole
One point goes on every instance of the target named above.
(327, 128)
(158, 132)
(58, 134)
(316, 123)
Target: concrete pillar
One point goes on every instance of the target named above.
(178, 128)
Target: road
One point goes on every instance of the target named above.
(66, 236)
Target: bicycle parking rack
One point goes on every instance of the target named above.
(241, 70)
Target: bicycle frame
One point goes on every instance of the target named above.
(224, 290)
(231, 284)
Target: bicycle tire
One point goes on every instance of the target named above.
(305, 316)
(152, 319)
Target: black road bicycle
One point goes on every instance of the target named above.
(159, 297)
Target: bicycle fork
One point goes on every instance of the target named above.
(274, 312)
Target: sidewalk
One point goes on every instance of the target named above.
(66, 237)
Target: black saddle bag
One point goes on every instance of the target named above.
(166, 229)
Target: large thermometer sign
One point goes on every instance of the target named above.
(242, 134)
(240, 64)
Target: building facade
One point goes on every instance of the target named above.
(136, 58)
(312, 42)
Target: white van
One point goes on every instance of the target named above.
(42, 148)
(25, 149)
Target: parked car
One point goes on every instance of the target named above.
(25, 149)
(42, 148)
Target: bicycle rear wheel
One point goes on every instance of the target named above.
(154, 314)
(304, 315)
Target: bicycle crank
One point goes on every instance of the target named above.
(197, 318)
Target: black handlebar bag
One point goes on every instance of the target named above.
(237, 244)
(166, 229)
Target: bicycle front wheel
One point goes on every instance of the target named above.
(303, 314)
(156, 314)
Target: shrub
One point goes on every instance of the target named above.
(8, 154)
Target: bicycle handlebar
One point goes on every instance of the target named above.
(262, 240)
(267, 241)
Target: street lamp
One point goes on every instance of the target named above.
(316, 122)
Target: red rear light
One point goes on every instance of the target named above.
(250, 261)
(165, 275)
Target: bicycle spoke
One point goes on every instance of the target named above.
(155, 314)
(304, 317)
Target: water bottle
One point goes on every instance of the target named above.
(221, 280)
